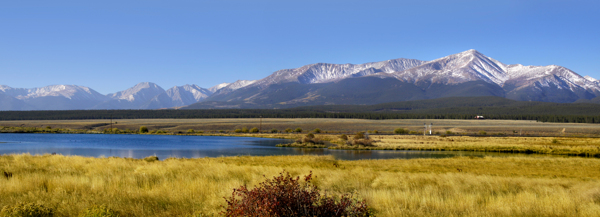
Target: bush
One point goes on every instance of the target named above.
(298, 130)
(143, 129)
(344, 137)
(191, 131)
(274, 131)
(400, 131)
(481, 132)
(375, 131)
(151, 158)
(285, 195)
(254, 130)
(363, 142)
(554, 141)
(317, 130)
(289, 130)
(237, 130)
(245, 130)
(310, 138)
(413, 132)
(27, 209)
(359, 135)
(98, 211)
(448, 132)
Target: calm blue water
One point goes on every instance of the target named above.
(162, 146)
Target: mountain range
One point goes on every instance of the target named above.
(468, 73)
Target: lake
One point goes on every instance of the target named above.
(165, 146)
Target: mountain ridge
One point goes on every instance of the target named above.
(468, 73)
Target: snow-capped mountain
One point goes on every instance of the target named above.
(217, 87)
(187, 94)
(469, 73)
(141, 92)
(549, 83)
(326, 72)
(234, 86)
(457, 68)
(54, 97)
(71, 92)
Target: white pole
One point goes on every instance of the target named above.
(430, 126)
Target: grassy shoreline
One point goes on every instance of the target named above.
(566, 145)
(460, 186)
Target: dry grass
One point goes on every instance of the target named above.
(462, 186)
(539, 145)
(348, 126)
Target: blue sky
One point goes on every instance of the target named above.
(113, 45)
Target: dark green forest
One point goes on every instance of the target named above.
(444, 108)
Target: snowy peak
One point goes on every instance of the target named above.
(589, 78)
(327, 72)
(141, 91)
(187, 94)
(218, 87)
(470, 65)
(71, 92)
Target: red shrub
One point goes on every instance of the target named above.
(285, 195)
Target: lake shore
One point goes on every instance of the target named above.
(461, 186)
(583, 146)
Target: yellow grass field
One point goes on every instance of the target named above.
(513, 186)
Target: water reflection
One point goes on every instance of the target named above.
(140, 146)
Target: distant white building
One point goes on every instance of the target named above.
(479, 117)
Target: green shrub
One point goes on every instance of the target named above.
(289, 130)
(151, 158)
(254, 130)
(245, 130)
(554, 141)
(298, 130)
(99, 211)
(274, 131)
(481, 132)
(191, 131)
(237, 130)
(344, 137)
(27, 210)
(413, 132)
(143, 129)
(375, 131)
(359, 135)
(400, 131)
(317, 130)
(448, 132)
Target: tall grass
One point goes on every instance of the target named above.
(515, 186)
(540, 145)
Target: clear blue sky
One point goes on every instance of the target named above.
(113, 45)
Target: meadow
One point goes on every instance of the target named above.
(327, 125)
(461, 186)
